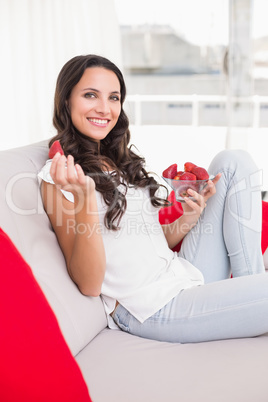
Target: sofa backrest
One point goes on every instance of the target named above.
(23, 218)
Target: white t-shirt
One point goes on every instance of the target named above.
(142, 273)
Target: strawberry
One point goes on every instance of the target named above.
(55, 147)
(170, 172)
(188, 176)
(178, 175)
(188, 166)
(201, 173)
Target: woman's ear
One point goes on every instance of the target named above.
(67, 105)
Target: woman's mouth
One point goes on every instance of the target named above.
(98, 122)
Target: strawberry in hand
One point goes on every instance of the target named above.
(55, 147)
(200, 173)
(187, 176)
(170, 172)
(190, 183)
(178, 175)
(188, 166)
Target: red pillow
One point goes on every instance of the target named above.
(170, 214)
(35, 361)
(264, 238)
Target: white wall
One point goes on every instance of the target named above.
(164, 145)
(36, 38)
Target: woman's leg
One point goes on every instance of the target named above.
(227, 236)
(232, 308)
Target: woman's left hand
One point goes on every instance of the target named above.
(196, 207)
(192, 210)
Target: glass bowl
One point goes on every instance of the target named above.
(180, 187)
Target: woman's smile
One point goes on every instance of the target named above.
(98, 122)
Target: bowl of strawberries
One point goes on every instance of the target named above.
(191, 177)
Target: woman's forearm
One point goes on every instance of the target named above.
(87, 262)
(175, 231)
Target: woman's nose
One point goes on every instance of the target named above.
(103, 106)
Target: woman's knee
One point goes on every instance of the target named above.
(233, 160)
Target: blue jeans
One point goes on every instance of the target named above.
(225, 240)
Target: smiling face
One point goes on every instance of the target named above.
(95, 102)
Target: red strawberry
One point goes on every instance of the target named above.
(201, 173)
(188, 176)
(55, 147)
(178, 175)
(170, 172)
(188, 166)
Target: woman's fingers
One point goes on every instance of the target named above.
(85, 181)
(53, 167)
(210, 188)
(62, 170)
(57, 169)
(195, 203)
(60, 174)
(216, 179)
(80, 174)
(71, 175)
(198, 204)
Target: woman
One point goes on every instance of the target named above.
(103, 207)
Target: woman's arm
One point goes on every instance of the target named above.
(175, 231)
(76, 225)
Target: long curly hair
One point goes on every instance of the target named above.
(113, 151)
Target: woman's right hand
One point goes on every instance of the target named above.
(70, 177)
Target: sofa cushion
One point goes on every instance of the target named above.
(36, 363)
(142, 370)
(23, 218)
(171, 213)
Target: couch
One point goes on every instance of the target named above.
(110, 364)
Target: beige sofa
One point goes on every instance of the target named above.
(116, 366)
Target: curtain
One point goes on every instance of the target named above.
(36, 38)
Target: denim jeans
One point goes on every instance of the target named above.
(226, 239)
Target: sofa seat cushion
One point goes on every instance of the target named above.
(36, 363)
(134, 369)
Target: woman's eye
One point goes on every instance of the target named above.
(115, 98)
(89, 95)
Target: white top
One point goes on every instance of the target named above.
(142, 273)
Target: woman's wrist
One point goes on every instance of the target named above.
(186, 223)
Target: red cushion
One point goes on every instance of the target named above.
(264, 238)
(173, 212)
(170, 214)
(35, 361)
